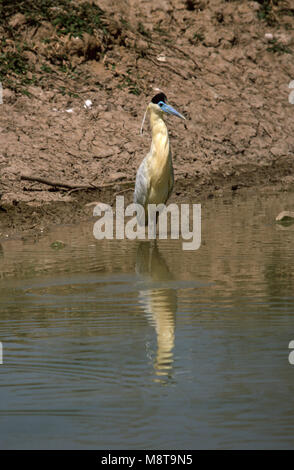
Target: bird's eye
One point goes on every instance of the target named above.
(160, 104)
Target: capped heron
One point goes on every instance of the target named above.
(155, 176)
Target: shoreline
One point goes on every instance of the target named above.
(71, 109)
(20, 219)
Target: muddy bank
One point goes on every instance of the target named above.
(22, 220)
(225, 65)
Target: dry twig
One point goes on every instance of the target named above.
(59, 184)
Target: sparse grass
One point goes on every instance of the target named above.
(129, 83)
(79, 20)
(45, 68)
(265, 12)
(197, 37)
(64, 91)
(159, 30)
(271, 11)
(13, 62)
(67, 17)
(16, 71)
(278, 48)
(288, 11)
(142, 30)
(131, 86)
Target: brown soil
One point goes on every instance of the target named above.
(217, 66)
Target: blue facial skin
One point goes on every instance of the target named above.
(169, 109)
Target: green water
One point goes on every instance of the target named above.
(127, 344)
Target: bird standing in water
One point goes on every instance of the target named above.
(155, 176)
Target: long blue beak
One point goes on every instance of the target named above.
(170, 110)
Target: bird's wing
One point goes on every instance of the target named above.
(142, 185)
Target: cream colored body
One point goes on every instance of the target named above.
(160, 161)
(155, 179)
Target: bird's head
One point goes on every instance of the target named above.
(159, 105)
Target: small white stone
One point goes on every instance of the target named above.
(269, 36)
(88, 104)
(69, 110)
(291, 97)
(285, 215)
(161, 58)
(291, 84)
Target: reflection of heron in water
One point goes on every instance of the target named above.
(159, 303)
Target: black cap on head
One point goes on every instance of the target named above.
(159, 97)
